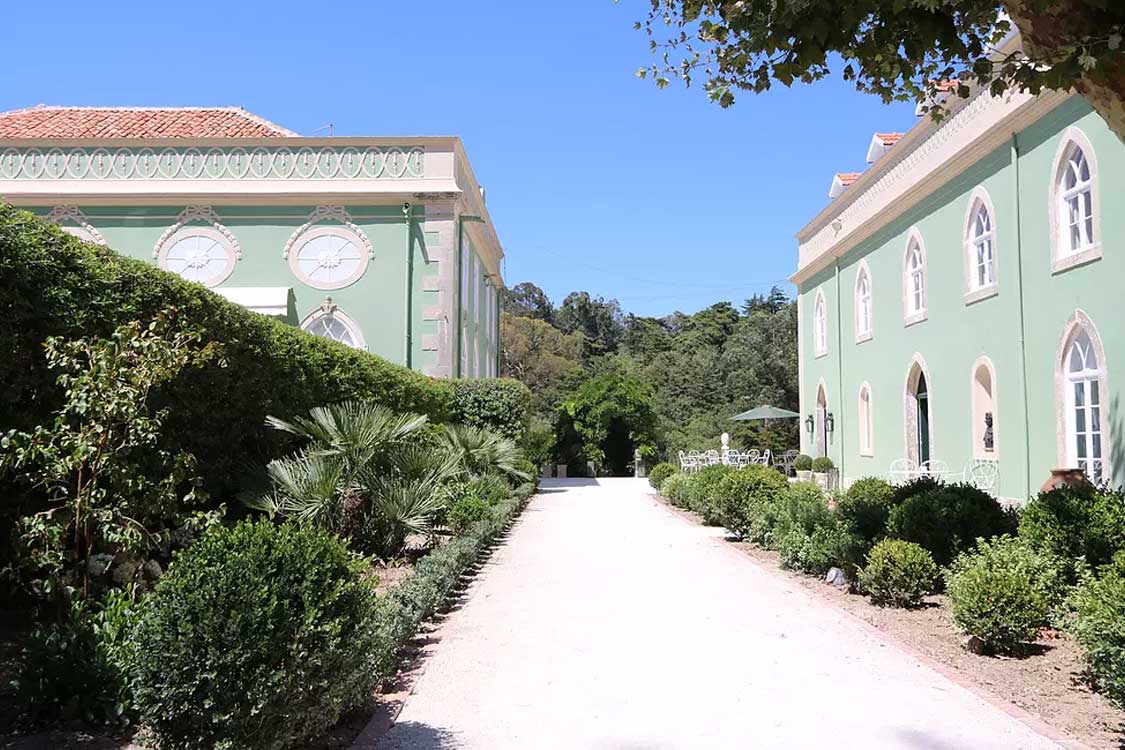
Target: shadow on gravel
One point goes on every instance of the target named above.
(412, 735)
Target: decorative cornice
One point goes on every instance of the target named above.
(63, 214)
(328, 213)
(203, 214)
(211, 163)
(927, 158)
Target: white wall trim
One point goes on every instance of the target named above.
(61, 215)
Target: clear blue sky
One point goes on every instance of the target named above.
(596, 180)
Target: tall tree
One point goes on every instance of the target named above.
(540, 356)
(528, 301)
(598, 319)
(898, 49)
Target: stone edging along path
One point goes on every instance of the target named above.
(955, 676)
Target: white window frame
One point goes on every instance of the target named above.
(1065, 403)
(358, 241)
(820, 325)
(977, 410)
(209, 232)
(914, 280)
(866, 422)
(864, 307)
(328, 309)
(980, 203)
(1063, 255)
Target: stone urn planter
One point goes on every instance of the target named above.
(804, 476)
(1065, 477)
(821, 479)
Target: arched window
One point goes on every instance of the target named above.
(980, 246)
(866, 423)
(1074, 203)
(820, 325)
(1081, 382)
(863, 308)
(329, 322)
(914, 278)
(983, 401)
(329, 251)
(201, 254)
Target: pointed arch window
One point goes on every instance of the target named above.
(914, 279)
(820, 326)
(1084, 408)
(1074, 203)
(980, 247)
(863, 305)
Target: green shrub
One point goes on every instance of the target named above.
(703, 489)
(915, 486)
(659, 473)
(808, 535)
(947, 520)
(803, 463)
(865, 508)
(1099, 628)
(54, 285)
(465, 511)
(1076, 523)
(822, 464)
(675, 489)
(1002, 592)
(259, 636)
(74, 669)
(502, 405)
(898, 573)
(748, 500)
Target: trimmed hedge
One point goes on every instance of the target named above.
(898, 573)
(948, 519)
(502, 405)
(749, 501)
(1076, 523)
(659, 473)
(1099, 628)
(52, 284)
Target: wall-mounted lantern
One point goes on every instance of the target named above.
(829, 423)
(810, 423)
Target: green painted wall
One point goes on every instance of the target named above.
(955, 334)
(376, 302)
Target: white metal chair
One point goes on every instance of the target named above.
(766, 458)
(934, 468)
(982, 473)
(902, 470)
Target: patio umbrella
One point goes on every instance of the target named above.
(765, 413)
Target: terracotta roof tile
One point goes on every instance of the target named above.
(847, 178)
(889, 139)
(136, 122)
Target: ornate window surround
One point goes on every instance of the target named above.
(864, 273)
(910, 407)
(910, 314)
(322, 221)
(820, 325)
(329, 309)
(977, 415)
(1061, 258)
(1080, 322)
(979, 200)
(84, 230)
(185, 226)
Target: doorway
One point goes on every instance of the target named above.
(918, 416)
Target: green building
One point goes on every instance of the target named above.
(956, 300)
(382, 243)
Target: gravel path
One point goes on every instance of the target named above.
(608, 622)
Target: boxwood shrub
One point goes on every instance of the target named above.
(948, 519)
(865, 508)
(659, 473)
(748, 502)
(1003, 592)
(703, 488)
(258, 636)
(502, 405)
(809, 536)
(1099, 628)
(675, 489)
(898, 573)
(1076, 524)
(52, 284)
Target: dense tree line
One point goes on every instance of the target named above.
(696, 370)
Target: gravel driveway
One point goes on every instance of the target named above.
(609, 622)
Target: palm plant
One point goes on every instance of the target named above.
(407, 499)
(483, 452)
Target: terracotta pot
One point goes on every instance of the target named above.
(1065, 478)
